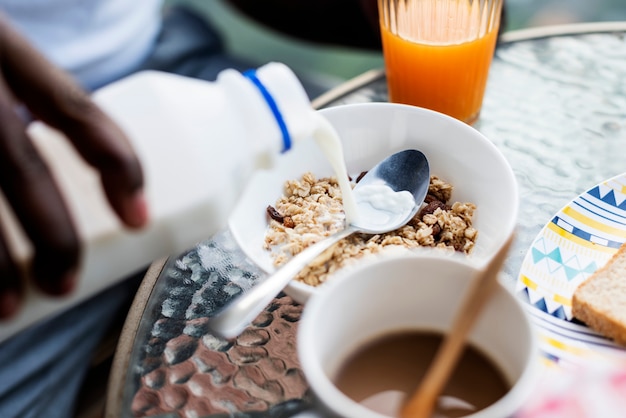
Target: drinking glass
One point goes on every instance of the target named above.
(438, 52)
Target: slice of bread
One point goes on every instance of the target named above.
(600, 301)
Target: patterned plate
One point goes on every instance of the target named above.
(578, 240)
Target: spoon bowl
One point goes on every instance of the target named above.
(387, 197)
(402, 181)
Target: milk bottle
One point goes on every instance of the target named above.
(199, 143)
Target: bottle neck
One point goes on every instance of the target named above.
(273, 106)
(290, 99)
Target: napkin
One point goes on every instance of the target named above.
(592, 390)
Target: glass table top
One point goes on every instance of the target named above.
(555, 106)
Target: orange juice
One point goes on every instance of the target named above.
(448, 76)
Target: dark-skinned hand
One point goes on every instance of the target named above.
(29, 81)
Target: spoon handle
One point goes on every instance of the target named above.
(234, 318)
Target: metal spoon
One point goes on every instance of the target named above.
(406, 170)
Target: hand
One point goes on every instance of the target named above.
(28, 80)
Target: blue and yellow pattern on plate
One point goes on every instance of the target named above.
(577, 241)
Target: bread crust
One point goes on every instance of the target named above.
(600, 301)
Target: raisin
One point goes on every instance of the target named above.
(429, 198)
(363, 173)
(274, 214)
(431, 207)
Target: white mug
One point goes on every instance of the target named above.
(415, 292)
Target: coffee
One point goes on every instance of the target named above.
(383, 373)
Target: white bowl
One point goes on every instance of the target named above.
(369, 132)
(401, 293)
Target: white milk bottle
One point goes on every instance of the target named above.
(199, 143)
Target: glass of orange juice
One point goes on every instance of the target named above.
(438, 52)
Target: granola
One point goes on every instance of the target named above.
(312, 209)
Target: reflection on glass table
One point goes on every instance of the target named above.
(555, 106)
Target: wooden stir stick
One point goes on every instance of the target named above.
(423, 400)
